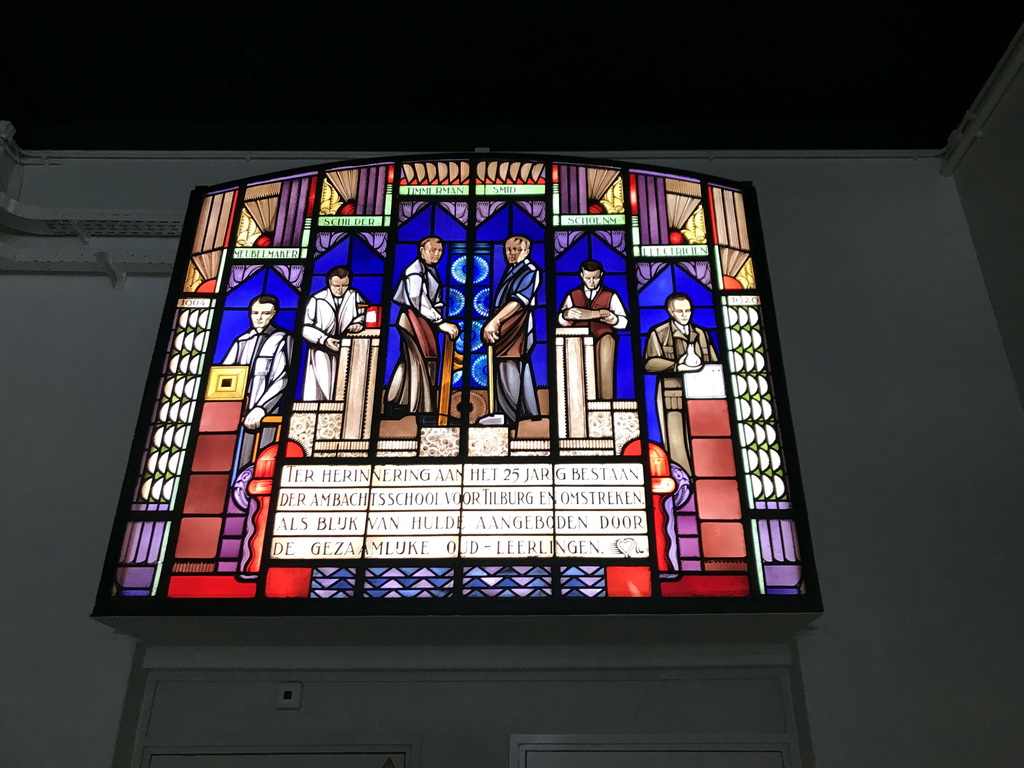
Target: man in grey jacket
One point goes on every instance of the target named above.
(673, 348)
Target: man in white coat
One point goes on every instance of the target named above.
(266, 350)
(330, 314)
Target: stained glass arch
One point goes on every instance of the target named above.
(465, 384)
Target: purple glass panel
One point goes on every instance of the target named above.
(775, 531)
(647, 271)
(689, 547)
(701, 270)
(778, 541)
(487, 208)
(563, 189)
(285, 212)
(137, 578)
(535, 208)
(292, 273)
(300, 202)
(690, 565)
(782, 575)
(766, 541)
(564, 239)
(366, 183)
(234, 525)
(458, 210)
(690, 505)
(131, 542)
(616, 239)
(142, 542)
(240, 502)
(297, 210)
(407, 210)
(789, 540)
(378, 199)
(660, 208)
(653, 214)
(150, 507)
(230, 548)
(156, 541)
(376, 240)
(573, 192)
(240, 273)
(291, 211)
(325, 241)
(686, 525)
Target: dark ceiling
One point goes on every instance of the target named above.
(424, 77)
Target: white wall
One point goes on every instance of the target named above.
(991, 186)
(909, 430)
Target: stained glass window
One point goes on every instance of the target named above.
(517, 384)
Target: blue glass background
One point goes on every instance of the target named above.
(235, 318)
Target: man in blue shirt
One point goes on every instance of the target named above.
(510, 333)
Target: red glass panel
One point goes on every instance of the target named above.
(628, 581)
(722, 540)
(709, 418)
(731, 283)
(221, 417)
(214, 453)
(707, 585)
(711, 216)
(718, 499)
(288, 582)
(206, 494)
(198, 537)
(712, 457)
(209, 586)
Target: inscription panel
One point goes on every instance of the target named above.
(526, 510)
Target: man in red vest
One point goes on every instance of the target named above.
(600, 310)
